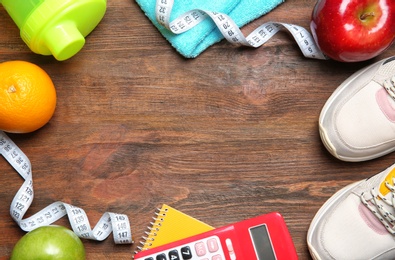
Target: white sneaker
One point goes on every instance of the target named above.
(357, 123)
(357, 223)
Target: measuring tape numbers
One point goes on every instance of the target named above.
(118, 224)
(232, 32)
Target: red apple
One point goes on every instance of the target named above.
(353, 30)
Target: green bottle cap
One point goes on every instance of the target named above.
(53, 27)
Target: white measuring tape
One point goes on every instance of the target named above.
(109, 222)
(231, 31)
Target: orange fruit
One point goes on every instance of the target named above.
(27, 97)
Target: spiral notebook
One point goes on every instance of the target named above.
(171, 225)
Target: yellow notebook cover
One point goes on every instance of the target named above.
(171, 225)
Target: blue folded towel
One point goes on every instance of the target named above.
(193, 42)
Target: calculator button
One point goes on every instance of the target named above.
(229, 244)
(232, 255)
(200, 249)
(186, 252)
(217, 257)
(212, 245)
(173, 255)
(161, 257)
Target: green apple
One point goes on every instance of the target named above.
(49, 242)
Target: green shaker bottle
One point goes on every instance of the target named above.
(55, 27)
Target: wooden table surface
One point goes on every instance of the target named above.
(226, 136)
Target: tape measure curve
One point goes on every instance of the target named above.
(232, 32)
(110, 222)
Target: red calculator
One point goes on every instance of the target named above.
(265, 237)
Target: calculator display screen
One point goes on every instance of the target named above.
(262, 243)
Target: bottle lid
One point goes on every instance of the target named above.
(60, 27)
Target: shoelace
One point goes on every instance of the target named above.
(389, 85)
(377, 205)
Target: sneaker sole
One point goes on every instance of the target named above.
(323, 133)
(322, 212)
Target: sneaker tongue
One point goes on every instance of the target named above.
(383, 189)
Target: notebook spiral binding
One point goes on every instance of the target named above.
(169, 225)
(153, 229)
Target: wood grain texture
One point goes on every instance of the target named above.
(229, 135)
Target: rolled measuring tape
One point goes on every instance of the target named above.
(231, 31)
(118, 224)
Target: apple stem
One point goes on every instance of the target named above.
(364, 16)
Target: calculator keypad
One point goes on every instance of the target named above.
(205, 249)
